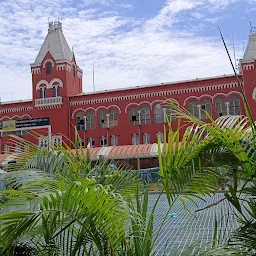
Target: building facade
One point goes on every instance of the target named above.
(127, 116)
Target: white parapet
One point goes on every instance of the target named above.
(48, 101)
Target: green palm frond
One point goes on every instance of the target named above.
(245, 238)
(72, 219)
(182, 169)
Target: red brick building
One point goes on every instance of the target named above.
(113, 117)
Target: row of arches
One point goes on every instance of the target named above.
(43, 92)
(222, 107)
(141, 114)
(105, 119)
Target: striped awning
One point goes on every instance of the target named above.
(125, 152)
(115, 152)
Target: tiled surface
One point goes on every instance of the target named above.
(181, 229)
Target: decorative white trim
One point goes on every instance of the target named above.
(248, 66)
(211, 98)
(94, 109)
(78, 110)
(35, 71)
(50, 84)
(137, 104)
(204, 96)
(60, 67)
(54, 80)
(221, 95)
(235, 92)
(88, 109)
(107, 108)
(16, 109)
(47, 102)
(48, 60)
(147, 95)
(20, 117)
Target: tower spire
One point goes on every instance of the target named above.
(55, 43)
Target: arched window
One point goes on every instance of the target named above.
(113, 117)
(102, 119)
(169, 114)
(73, 70)
(80, 121)
(134, 116)
(90, 120)
(158, 114)
(234, 106)
(193, 108)
(145, 114)
(42, 92)
(221, 107)
(205, 106)
(56, 91)
(48, 68)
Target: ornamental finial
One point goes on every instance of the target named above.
(252, 29)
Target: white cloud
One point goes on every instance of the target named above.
(127, 51)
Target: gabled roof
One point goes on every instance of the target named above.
(55, 43)
(250, 52)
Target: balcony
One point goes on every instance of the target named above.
(45, 102)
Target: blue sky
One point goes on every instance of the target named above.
(133, 43)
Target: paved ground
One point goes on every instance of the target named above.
(181, 229)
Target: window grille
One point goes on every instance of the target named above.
(135, 139)
(221, 107)
(205, 106)
(114, 140)
(193, 108)
(234, 106)
(146, 138)
(103, 141)
(145, 114)
(90, 120)
(113, 117)
(102, 119)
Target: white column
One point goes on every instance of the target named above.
(85, 120)
(139, 112)
(199, 111)
(107, 120)
(227, 107)
(164, 110)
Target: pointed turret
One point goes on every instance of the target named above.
(56, 44)
(250, 52)
(55, 73)
(248, 70)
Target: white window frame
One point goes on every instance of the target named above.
(57, 140)
(91, 142)
(43, 142)
(103, 141)
(146, 138)
(234, 106)
(90, 120)
(56, 91)
(135, 139)
(42, 92)
(114, 140)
